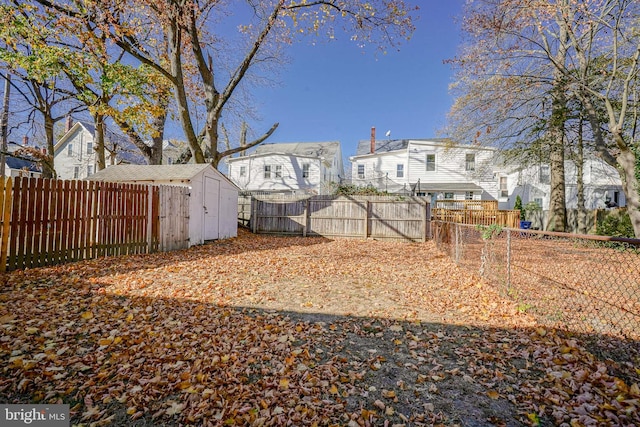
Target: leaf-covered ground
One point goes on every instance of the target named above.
(289, 331)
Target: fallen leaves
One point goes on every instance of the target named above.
(255, 331)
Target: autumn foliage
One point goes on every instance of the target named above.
(291, 331)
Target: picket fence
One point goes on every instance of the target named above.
(49, 222)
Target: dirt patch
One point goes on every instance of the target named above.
(290, 331)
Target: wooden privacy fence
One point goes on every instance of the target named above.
(377, 217)
(49, 222)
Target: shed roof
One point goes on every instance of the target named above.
(126, 173)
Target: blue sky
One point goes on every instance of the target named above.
(334, 91)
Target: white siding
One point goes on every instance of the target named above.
(291, 173)
(380, 170)
(601, 181)
(80, 157)
(450, 164)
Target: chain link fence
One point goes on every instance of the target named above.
(584, 284)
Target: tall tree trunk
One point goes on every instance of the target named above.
(4, 123)
(98, 139)
(630, 173)
(557, 220)
(47, 171)
(582, 213)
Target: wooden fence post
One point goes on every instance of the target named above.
(366, 219)
(307, 219)
(149, 219)
(6, 219)
(424, 222)
(254, 215)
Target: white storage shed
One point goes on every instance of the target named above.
(213, 200)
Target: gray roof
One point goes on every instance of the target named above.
(311, 149)
(128, 173)
(447, 186)
(382, 146)
(385, 146)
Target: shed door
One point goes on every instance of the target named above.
(211, 208)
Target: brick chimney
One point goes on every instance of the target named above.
(68, 123)
(373, 140)
(25, 140)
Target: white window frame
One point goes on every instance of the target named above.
(69, 150)
(306, 168)
(76, 172)
(89, 170)
(267, 171)
(470, 162)
(243, 171)
(427, 162)
(468, 195)
(277, 171)
(545, 174)
(89, 147)
(361, 173)
(504, 190)
(400, 170)
(449, 196)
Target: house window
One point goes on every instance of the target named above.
(538, 201)
(400, 170)
(70, 150)
(545, 177)
(448, 196)
(360, 171)
(470, 162)
(616, 198)
(267, 171)
(76, 172)
(305, 170)
(278, 171)
(243, 171)
(89, 170)
(169, 160)
(431, 162)
(504, 191)
(89, 147)
(468, 195)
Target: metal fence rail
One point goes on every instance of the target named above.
(581, 283)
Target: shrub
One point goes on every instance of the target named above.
(617, 224)
(354, 190)
(518, 206)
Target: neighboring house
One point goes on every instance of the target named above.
(15, 167)
(213, 200)
(301, 167)
(602, 185)
(75, 156)
(434, 168)
(172, 150)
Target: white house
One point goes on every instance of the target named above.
(213, 200)
(20, 165)
(302, 167)
(75, 156)
(602, 185)
(435, 168)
